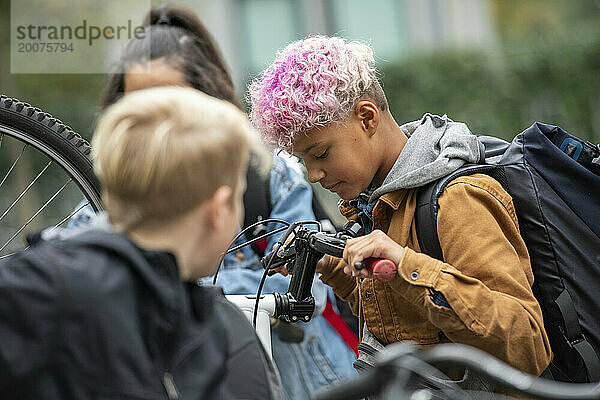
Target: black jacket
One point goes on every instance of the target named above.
(96, 317)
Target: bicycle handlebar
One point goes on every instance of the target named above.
(508, 376)
(383, 270)
(399, 356)
(303, 253)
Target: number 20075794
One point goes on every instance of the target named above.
(45, 47)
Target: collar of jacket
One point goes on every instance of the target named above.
(392, 199)
(159, 273)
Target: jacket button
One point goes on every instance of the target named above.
(367, 294)
(414, 275)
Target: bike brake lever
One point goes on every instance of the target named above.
(279, 257)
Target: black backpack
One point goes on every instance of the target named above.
(554, 180)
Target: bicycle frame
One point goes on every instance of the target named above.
(393, 372)
(267, 309)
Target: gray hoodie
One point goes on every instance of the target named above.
(436, 146)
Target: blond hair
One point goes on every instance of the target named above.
(163, 151)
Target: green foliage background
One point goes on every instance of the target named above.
(552, 79)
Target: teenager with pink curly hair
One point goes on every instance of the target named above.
(321, 101)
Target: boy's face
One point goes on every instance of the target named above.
(341, 157)
(232, 212)
(235, 213)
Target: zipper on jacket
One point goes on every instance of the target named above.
(170, 387)
(367, 349)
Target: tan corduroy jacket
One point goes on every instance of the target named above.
(486, 277)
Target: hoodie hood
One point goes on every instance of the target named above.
(436, 146)
(157, 268)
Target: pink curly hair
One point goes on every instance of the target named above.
(312, 82)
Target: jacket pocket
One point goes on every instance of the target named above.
(322, 362)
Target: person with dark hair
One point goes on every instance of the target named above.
(177, 40)
(178, 50)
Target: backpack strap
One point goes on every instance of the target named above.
(575, 337)
(257, 206)
(427, 206)
(426, 221)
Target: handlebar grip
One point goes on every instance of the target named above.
(383, 270)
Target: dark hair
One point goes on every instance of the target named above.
(176, 34)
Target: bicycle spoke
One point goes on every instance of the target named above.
(69, 216)
(14, 164)
(6, 255)
(54, 227)
(26, 190)
(14, 252)
(34, 158)
(36, 214)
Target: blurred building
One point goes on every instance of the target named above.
(251, 31)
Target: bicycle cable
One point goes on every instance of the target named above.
(242, 232)
(290, 229)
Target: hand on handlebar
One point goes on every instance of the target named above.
(321, 264)
(375, 245)
(283, 268)
(374, 255)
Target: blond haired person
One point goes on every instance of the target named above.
(113, 312)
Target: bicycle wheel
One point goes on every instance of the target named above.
(45, 171)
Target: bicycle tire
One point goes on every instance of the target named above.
(56, 140)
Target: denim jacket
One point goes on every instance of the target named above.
(322, 357)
